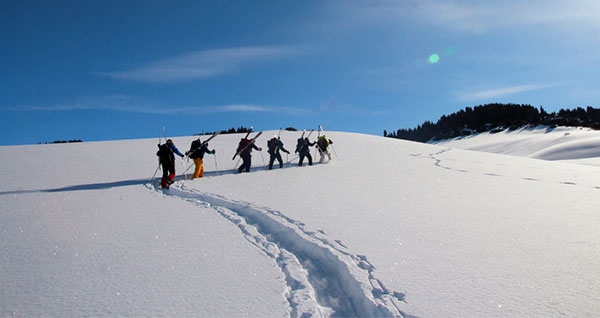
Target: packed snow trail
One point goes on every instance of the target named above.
(323, 280)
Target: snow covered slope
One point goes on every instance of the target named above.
(561, 143)
(387, 228)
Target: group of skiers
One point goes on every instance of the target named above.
(167, 151)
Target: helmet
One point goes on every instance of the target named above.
(169, 141)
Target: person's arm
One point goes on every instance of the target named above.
(175, 150)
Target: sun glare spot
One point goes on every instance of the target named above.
(434, 58)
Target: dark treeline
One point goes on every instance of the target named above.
(495, 118)
(63, 141)
(238, 130)
(231, 130)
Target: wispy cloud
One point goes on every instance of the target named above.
(132, 104)
(502, 92)
(477, 16)
(471, 15)
(202, 64)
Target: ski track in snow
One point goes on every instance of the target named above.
(442, 163)
(323, 280)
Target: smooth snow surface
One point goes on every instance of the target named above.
(560, 143)
(387, 228)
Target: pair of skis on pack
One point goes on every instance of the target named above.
(252, 141)
(206, 141)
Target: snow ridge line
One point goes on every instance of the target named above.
(322, 279)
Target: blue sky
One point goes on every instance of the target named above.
(104, 70)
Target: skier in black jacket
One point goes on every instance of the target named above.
(274, 144)
(302, 149)
(246, 146)
(196, 152)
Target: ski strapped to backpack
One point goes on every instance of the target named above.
(196, 145)
(327, 141)
(249, 144)
(302, 140)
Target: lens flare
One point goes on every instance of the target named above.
(434, 58)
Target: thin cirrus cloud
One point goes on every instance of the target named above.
(502, 92)
(476, 16)
(472, 15)
(133, 104)
(202, 64)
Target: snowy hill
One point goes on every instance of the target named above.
(560, 143)
(388, 228)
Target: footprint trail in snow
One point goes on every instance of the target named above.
(322, 278)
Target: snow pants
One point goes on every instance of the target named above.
(168, 174)
(246, 162)
(323, 153)
(199, 172)
(307, 155)
(272, 160)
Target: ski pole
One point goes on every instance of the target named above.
(188, 168)
(184, 169)
(155, 171)
(289, 161)
(263, 157)
(334, 152)
(216, 166)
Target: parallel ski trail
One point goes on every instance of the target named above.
(323, 279)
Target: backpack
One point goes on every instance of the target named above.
(301, 144)
(323, 143)
(164, 153)
(195, 148)
(272, 144)
(243, 143)
(195, 145)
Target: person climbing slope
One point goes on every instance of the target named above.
(196, 153)
(275, 145)
(245, 150)
(166, 155)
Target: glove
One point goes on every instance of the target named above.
(182, 156)
(214, 151)
(259, 148)
(187, 153)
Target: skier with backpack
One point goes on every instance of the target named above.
(323, 144)
(274, 145)
(196, 153)
(166, 156)
(303, 151)
(245, 151)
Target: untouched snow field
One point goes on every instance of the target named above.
(581, 145)
(387, 228)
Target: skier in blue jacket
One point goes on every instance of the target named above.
(166, 154)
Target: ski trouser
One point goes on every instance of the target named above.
(168, 174)
(199, 172)
(246, 162)
(273, 157)
(307, 155)
(323, 153)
